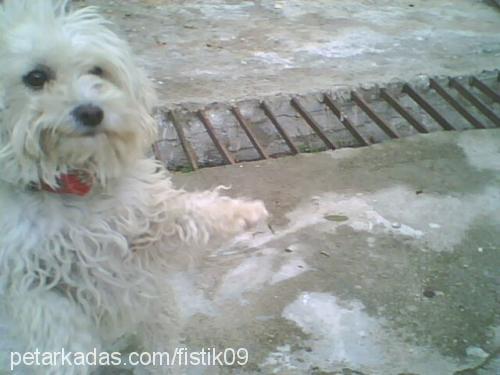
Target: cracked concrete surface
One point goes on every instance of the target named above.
(382, 260)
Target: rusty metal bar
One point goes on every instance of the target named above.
(344, 120)
(475, 101)
(210, 130)
(455, 104)
(269, 113)
(402, 111)
(407, 89)
(249, 133)
(481, 86)
(186, 145)
(382, 124)
(311, 122)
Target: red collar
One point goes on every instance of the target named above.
(74, 183)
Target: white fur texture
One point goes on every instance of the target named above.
(81, 272)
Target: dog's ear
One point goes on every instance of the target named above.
(147, 92)
(146, 95)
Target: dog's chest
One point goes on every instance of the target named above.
(79, 226)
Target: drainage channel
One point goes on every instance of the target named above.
(220, 133)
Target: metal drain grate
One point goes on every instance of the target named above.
(281, 125)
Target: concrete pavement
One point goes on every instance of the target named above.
(381, 260)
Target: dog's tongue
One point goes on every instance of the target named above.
(71, 183)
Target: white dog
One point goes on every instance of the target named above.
(87, 222)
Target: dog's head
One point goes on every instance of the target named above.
(71, 97)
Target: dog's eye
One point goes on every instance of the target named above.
(36, 79)
(96, 70)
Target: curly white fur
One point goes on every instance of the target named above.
(80, 272)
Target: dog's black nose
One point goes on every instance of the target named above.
(88, 114)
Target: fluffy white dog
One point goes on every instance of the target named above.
(88, 224)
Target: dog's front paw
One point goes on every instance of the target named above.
(223, 216)
(237, 215)
(250, 214)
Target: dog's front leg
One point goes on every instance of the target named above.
(204, 215)
(50, 323)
